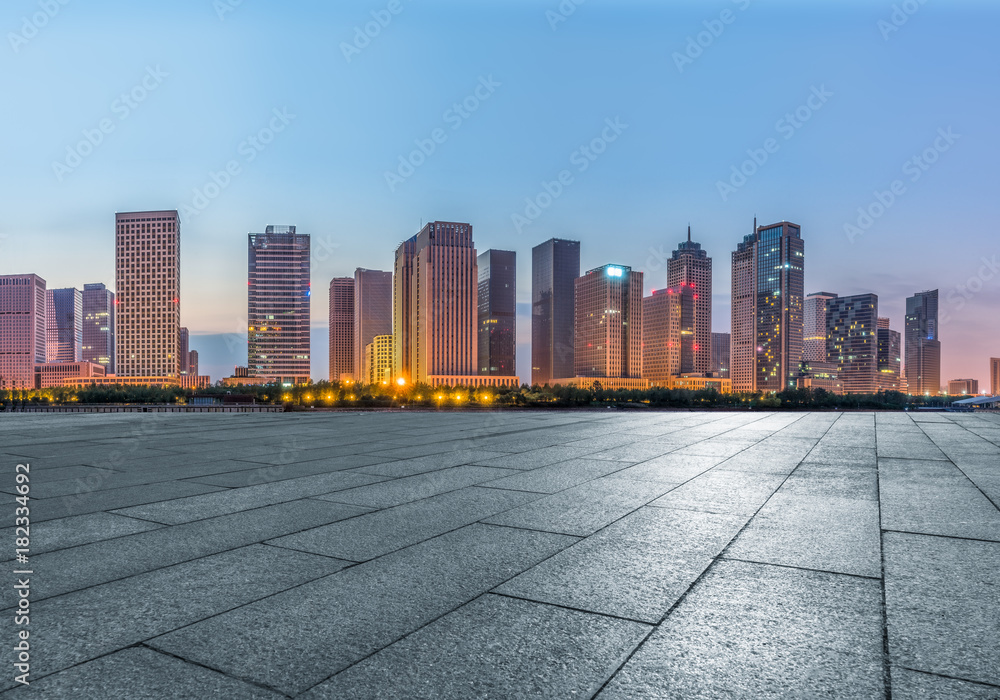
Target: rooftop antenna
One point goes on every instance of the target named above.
(689, 233)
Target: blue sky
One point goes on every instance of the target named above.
(213, 79)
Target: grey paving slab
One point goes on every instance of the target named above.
(942, 605)
(584, 509)
(374, 534)
(86, 624)
(671, 468)
(719, 491)
(185, 510)
(141, 674)
(422, 465)
(534, 459)
(914, 685)
(93, 501)
(295, 640)
(936, 498)
(100, 562)
(758, 631)
(558, 477)
(250, 474)
(50, 535)
(636, 568)
(494, 647)
(414, 488)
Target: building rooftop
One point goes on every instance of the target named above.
(509, 554)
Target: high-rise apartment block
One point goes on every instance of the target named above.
(995, 376)
(372, 312)
(497, 313)
(147, 280)
(767, 307)
(721, 345)
(852, 341)
(609, 323)
(278, 305)
(377, 367)
(341, 329)
(923, 346)
(99, 326)
(963, 387)
(814, 326)
(22, 330)
(436, 304)
(193, 369)
(690, 267)
(64, 325)
(669, 320)
(555, 266)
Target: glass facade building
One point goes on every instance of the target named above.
(498, 313)
(64, 325)
(923, 346)
(690, 266)
(669, 323)
(372, 313)
(22, 329)
(609, 323)
(720, 354)
(99, 326)
(555, 266)
(341, 328)
(852, 341)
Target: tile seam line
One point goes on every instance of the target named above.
(800, 568)
(911, 533)
(952, 678)
(645, 623)
(962, 471)
(248, 681)
(886, 653)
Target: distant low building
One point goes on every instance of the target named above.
(475, 380)
(53, 374)
(820, 375)
(118, 380)
(605, 383)
(967, 387)
(195, 381)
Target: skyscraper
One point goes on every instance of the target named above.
(890, 357)
(378, 361)
(278, 307)
(497, 312)
(923, 346)
(768, 271)
(690, 266)
(814, 331)
(995, 376)
(184, 349)
(99, 326)
(852, 341)
(435, 305)
(341, 328)
(22, 329)
(668, 334)
(372, 312)
(555, 265)
(720, 354)
(193, 368)
(64, 325)
(609, 323)
(147, 280)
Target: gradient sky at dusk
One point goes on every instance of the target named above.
(887, 99)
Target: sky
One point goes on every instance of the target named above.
(872, 124)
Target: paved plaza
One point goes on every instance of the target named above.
(611, 554)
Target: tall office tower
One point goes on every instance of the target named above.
(555, 265)
(341, 328)
(884, 323)
(814, 326)
(64, 325)
(720, 354)
(372, 312)
(767, 308)
(890, 357)
(669, 322)
(923, 346)
(852, 341)
(193, 368)
(690, 266)
(99, 326)
(966, 387)
(22, 330)
(377, 368)
(148, 284)
(497, 313)
(995, 376)
(609, 323)
(278, 309)
(184, 349)
(435, 304)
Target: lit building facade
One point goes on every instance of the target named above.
(497, 313)
(435, 307)
(64, 325)
(967, 387)
(767, 308)
(814, 326)
(184, 349)
(193, 368)
(372, 313)
(378, 361)
(278, 305)
(99, 326)
(852, 341)
(55, 374)
(341, 328)
(555, 266)
(22, 330)
(923, 345)
(995, 376)
(668, 334)
(689, 266)
(609, 323)
(147, 281)
(721, 343)
(890, 357)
